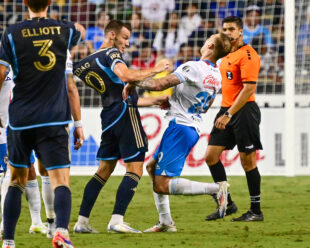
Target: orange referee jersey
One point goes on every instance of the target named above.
(237, 68)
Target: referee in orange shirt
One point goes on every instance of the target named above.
(237, 122)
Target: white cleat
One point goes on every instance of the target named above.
(222, 198)
(161, 228)
(84, 228)
(51, 229)
(122, 228)
(38, 229)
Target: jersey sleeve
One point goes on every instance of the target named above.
(6, 55)
(249, 66)
(75, 35)
(186, 72)
(113, 56)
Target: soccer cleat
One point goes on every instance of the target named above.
(51, 229)
(161, 228)
(122, 228)
(38, 229)
(231, 209)
(61, 241)
(222, 198)
(84, 228)
(250, 216)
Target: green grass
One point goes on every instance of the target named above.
(285, 203)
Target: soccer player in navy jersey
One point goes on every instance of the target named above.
(122, 132)
(39, 112)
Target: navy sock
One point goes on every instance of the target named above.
(62, 206)
(253, 179)
(91, 193)
(12, 209)
(219, 174)
(125, 192)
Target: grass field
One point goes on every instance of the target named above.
(285, 203)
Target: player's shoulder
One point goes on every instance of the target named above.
(247, 50)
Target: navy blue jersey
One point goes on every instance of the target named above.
(96, 71)
(37, 51)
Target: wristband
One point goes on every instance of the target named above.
(78, 123)
(227, 114)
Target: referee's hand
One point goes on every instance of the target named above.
(221, 122)
(78, 137)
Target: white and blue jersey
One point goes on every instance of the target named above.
(199, 83)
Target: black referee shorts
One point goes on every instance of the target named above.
(242, 130)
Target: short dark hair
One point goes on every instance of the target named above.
(222, 46)
(37, 5)
(116, 26)
(234, 19)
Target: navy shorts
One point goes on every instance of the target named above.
(242, 130)
(50, 143)
(125, 138)
(176, 144)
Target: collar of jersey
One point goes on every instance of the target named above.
(209, 63)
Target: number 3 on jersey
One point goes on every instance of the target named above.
(203, 99)
(44, 52)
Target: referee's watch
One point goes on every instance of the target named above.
(227, 114)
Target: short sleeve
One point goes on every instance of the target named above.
(6, 55)
(113, 57)
(75, 35)
(186, 72)
(250, 66)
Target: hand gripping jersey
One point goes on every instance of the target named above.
(200, 81)
(37, 51)
(236, 68)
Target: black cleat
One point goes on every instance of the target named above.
(250, 216)
(231, 209)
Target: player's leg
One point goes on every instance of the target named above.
(48, 199)
(248, 161)
(52, 148)
(125, 193)
(91, 192)
(12, 204)
(248, 141)
(5, 179)
(219, 141)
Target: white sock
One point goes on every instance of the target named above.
(163, 208)
(34, 201)
(116, 219)
(9, 242)
(48, 197)
(4, 190)
(63, 231)
(83, 219)
(182, 186)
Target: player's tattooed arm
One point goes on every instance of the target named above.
(159, 83)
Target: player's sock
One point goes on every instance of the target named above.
(62, 206)
(125, 193)
(182, 186)
(163, 208)
(253, 179)
(8, 242)
(48, 198)
(12, 209)
(219, 174)
(91, 193)
(116, 219)
(34, 201)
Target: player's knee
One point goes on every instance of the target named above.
(159, 189)
(149, 169)
(211, 159)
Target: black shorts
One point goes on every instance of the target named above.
(125, 139)
(242, 130)
(50, 143)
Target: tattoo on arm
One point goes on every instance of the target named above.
(158, 84)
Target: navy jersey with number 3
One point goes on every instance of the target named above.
(37, 51)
